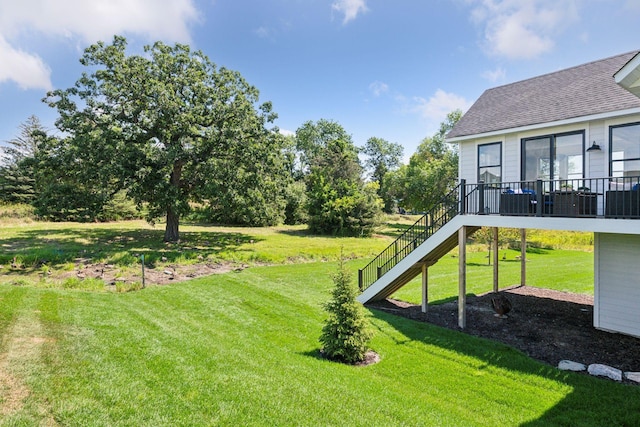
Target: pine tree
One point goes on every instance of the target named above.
(16, 172)
(345, 335)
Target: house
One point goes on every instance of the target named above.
(559, 151)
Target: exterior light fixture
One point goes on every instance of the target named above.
(594, 147)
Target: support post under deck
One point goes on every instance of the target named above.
(425, 293)
(495, 259)
(523, 256)
(462, 276)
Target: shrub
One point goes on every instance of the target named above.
(345, 335)
(295, 211)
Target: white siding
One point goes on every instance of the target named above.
(617, 283)
(468, 162)
(597, 162)
(511, 159)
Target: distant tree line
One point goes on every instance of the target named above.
(168, 134)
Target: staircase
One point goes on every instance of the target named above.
(424, 243)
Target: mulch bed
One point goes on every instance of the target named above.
(547, 325)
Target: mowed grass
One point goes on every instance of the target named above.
(558, 269)
(242, 349)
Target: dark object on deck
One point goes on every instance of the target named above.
(501, 305)
(623, 204)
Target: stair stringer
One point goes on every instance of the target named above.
(429, 252)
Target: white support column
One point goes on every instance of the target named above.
(523, 256)
(462, 276)
(425, 283)
(495, 259)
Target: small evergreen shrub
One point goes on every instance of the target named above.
(345, 335)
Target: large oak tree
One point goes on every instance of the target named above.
(150, 123)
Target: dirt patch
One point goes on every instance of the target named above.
(546, 325)
(370, 358)
(160, 275)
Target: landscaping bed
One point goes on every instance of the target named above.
(547, 325)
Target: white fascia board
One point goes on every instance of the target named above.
(600, 116)
(596, 225)
(629, 75)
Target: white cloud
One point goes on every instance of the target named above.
(25, 69)
(378, 88)
(286, 132)
(99, 19)
(350, 8)
(439, 105)
(495, 75)
(522, 29)
(263, 32)
(86, 21)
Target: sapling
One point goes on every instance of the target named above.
(346, 334)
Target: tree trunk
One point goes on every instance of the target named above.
(171, 233)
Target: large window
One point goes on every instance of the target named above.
(625, 150)
(553, 157)
(490, 162)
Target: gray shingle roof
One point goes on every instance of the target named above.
(575, 92)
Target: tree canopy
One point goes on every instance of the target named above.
(430, 174)
(154, 124)
(382, 157)
(339, 201)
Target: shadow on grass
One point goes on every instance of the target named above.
(591, 401)
(315, 354)
(307, 233)
(33, 248)
(394, 230)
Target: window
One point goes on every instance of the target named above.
(490, 162)
(553, 157)
(624, 150)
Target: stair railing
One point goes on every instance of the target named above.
(441, 213)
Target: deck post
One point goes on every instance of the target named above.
(360, 279)
(461, 196)
(523, 256)
(462, 276)
(540, 205)
(425, 282)
(481, 198)
(495, 259)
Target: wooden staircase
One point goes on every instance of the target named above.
(424, 243)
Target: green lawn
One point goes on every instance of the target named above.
(59, 246)
(242, 349)
(562, 270)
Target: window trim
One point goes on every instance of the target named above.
(611, 128)
(499, 143)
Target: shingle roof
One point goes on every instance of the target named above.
(575, 92)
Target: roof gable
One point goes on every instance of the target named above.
(584, 90)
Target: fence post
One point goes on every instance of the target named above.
(461, 196)
(379, 268)
(539, 198)
(360, 279)
(481, 197)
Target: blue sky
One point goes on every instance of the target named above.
(390, 69)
